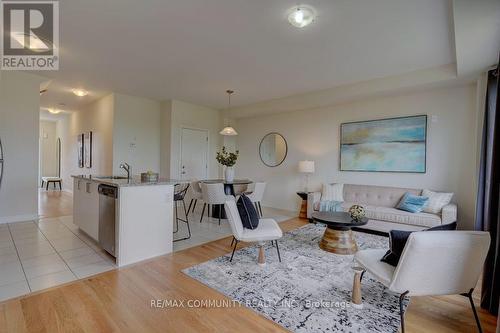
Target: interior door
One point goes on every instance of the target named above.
(194, 154)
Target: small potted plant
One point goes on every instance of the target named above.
(227, 159)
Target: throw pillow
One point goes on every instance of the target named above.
(332, 192)
(412, 203)
(248, 213)
(437, 200)
(398, 239)
(330, 206)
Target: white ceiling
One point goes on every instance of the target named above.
(193, 50)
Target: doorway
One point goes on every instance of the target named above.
(194, 154)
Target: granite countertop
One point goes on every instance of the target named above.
(134, 181)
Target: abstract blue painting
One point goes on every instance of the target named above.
(390, 145)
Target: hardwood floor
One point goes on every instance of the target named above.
(119, 301)
(54, 203)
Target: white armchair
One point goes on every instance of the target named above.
(268, 230)
(432, 263)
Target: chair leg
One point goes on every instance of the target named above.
(234, 249)
(401, 310)
(203, 212)
(478, 322)
(47, 187)
(257, 209)
(260, 208)
(60, 186)
(176, 218)
(220, 212)
(185, 211)
(361, 276)
(278, 249)
(42, 183)
(190, 203)
(208, 211)
(232, 241)
(194, 206)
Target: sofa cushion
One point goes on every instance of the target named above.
(376, 195)
(333, 192)
(437, 200)
(398, 216)
(412, 203)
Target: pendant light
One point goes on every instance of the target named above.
(228, 130)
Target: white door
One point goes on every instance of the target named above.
(194, 154)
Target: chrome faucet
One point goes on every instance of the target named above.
(126, 167)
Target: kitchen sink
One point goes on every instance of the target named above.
(112, 177)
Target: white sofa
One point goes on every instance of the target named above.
(380, 202)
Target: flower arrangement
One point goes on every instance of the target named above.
(227, 158)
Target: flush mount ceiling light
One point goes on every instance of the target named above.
(228, 130)
(80, 92)
(54, 111)
(301, 16)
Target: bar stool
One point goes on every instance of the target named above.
(180, 191)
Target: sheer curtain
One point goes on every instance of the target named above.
(488, 198)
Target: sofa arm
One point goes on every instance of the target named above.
(449, 214)
(312, 198)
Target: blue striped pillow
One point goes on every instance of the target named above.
(412, 203)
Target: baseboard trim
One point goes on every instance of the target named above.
(17, 218)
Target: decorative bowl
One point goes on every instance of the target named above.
(149, 177)
(357, 212)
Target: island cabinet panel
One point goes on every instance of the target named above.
(86, 207)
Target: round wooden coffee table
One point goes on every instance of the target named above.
(338, 237)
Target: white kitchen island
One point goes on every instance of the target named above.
(143, 215)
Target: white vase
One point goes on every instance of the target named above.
(229, 174)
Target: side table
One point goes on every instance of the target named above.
(303, 206)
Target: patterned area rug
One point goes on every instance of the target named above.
(309, 291)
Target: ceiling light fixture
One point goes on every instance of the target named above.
(301, 16)
(80, 92)
(228, 130)
(54, 111)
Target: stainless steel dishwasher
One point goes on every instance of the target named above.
(107, 213)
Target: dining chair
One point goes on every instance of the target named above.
(195, 192)
(180, 191)
(240, 188)
(213, 194)
(257, 195)
(433, 263)
(267, 230)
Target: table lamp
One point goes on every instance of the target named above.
(306, 167)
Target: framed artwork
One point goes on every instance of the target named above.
(80, 150)
(87, 150)
(385, 145)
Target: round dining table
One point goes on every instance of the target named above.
(228, 189)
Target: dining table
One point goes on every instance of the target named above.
(228, 189)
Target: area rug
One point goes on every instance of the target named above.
(309, 291)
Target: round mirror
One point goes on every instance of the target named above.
(273, 149)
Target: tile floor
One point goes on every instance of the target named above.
(40, 254)
(36, 255)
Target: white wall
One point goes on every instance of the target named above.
(314, 134)
(98, 118)
(19, 131)
(194, 116)
(136, 134)
(48, 156)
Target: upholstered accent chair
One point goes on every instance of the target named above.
(433, 263)
(267, 230)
